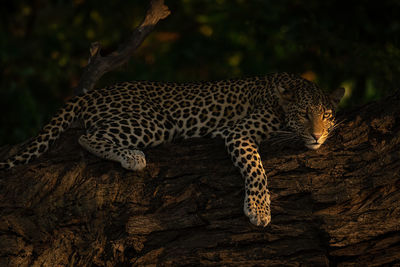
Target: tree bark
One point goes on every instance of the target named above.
(335, 206)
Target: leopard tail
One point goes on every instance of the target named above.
(50, 133)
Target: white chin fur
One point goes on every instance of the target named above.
(313, 146)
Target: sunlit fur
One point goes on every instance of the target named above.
(310, 113)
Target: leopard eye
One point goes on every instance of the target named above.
(327, 114)
(306, 113)
(309, 116)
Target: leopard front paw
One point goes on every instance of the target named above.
(258, 209)
(133, 160)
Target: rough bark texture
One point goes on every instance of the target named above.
(332, 207)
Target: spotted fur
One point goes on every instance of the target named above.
(124, 118)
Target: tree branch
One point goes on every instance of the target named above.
(336, 206)
(99, 65)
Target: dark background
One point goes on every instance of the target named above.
(45, 44)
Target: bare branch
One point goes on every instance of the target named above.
(99, 65)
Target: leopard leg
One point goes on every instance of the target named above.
(120, 138)
(131, 159)
(244, 154)
(242, 141)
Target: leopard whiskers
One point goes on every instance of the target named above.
(283, 137)
(335, 127)
(337, 124)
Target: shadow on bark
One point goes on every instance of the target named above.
(335, 206)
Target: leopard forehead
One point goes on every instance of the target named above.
(311, 102)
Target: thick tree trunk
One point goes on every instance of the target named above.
(335, 206)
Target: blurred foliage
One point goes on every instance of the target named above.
(44, 45)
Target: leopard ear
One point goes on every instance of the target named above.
(336, 96)
(285, 94)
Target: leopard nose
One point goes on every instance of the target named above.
(316, 136)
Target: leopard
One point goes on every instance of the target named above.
(123, 119)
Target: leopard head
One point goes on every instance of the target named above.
(309, 112)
